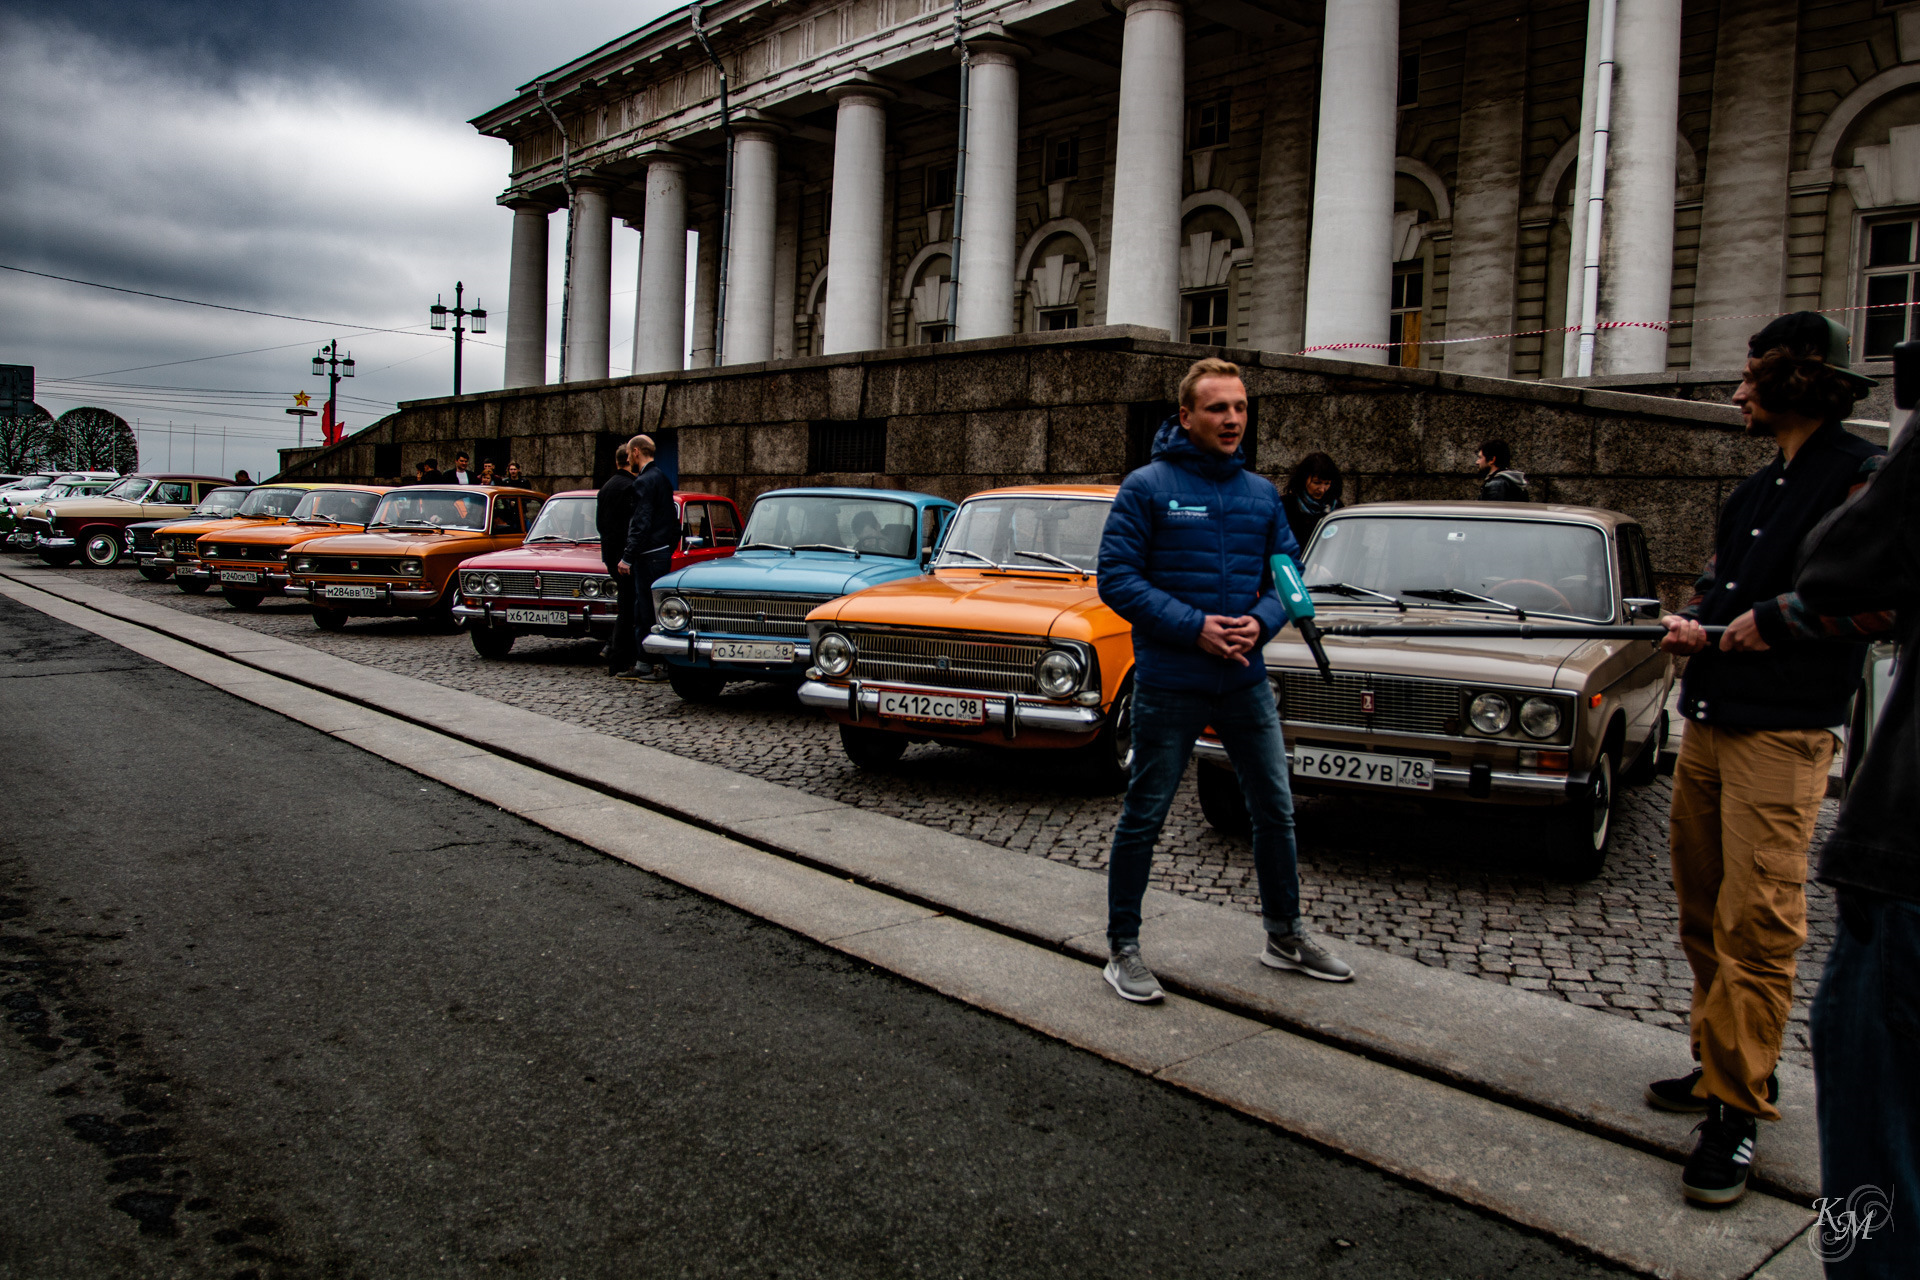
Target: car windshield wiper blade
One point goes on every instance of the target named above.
(962, 551)
(1354, 593)
(1454, 595)
(827, 546)
(771, 546)
(555, 537)
(1051, 559)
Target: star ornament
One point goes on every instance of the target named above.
(302, 399)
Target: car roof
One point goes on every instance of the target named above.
(1051, 490)
(847, 491)
(1559, 513)
(172, 475)
(469, 488)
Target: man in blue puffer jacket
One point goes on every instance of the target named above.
(1184, 558)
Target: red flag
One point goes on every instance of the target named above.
(331, 429)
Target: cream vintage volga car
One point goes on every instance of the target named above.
(1539, 721)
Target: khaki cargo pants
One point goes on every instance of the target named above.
(1744, 805)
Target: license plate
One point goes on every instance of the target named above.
(1316, 764)
(750, 651)
(239, 575)
(335, 591)
(934, 707)
(537, 617)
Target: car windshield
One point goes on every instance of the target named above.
(221, 502)
(342, 506)
(133, 488)
(432, 509)
(1027, 532)
(66, 489)
(1536, 565)
(799, 522)
(272, 502)
(29, 484)
(567, 520)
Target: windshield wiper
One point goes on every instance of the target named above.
(826, 546)
(554, 537)
(1454, 595)
(777, 546)
(962, 551)
(1050, 558)
(1354, 593)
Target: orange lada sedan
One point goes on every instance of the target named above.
(178, 545)
(1003, 642)
(403, 564)
(250, 561)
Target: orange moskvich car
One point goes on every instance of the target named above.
(250, 561)
(404, 563)
(1002, 642)
(178, 545)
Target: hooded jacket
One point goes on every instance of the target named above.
(1189, 535)
(1506, 485)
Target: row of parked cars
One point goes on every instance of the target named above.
(907, 617)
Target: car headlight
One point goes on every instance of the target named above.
(1057, 673)
(834, 654)
(609, 588)
(281, 554)
(590, 588)
(491, 584)
(1540, 717)
(470, 583)
(1491, 712)
(303, 564)
(410, 568)
(674, 614)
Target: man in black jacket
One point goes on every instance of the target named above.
(1761, 710)
(652, 532)
(1499, 482)
(1866, 1017)
(611, 514)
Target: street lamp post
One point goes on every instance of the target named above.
(328, 363)
(301, 416)
(437, 317)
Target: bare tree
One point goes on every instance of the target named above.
(26, 441)
(90, 439)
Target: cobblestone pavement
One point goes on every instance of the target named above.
(1452, 890)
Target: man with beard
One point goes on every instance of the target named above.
(1761, 707)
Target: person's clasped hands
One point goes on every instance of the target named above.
(1225, 637)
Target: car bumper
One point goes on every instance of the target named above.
(399, 599)
(53, 543)
(694, 650)
(1455, 781)
(269, 580)
(1010, 712)
(491, 615)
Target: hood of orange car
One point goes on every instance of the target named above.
(196, 528)
(394, 544)
(278, 533)
(965, 600)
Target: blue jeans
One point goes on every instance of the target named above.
(645, 574)
(1165, 724)
(1866, 1042)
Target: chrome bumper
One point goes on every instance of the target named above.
(1446, 777)
(582, 622)
(697, 650)
(42, 540)
(1011, 712)
(312, 594)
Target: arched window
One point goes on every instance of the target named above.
(927, 315)
(1053, 284)
(1210, 249)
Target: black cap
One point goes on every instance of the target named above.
(1811, 336)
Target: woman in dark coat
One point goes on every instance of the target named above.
(1312, 494)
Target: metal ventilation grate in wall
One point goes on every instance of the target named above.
(847, 446)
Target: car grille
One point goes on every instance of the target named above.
(989, 665)
(783, 616)
(368, 566)
(241, 551)
(141, 539)
(1399, 705)
(546, 586)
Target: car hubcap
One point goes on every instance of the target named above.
(101, 549)
(1123, 735)
(1602, 801)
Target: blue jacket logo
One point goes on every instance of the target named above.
(1192, 509)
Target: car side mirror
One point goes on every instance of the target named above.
(1643, 610)
(694, 544)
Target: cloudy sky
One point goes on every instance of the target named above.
(310, 161)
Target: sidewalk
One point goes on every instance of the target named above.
(1521, 1104)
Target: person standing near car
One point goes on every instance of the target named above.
(651, 532)
(1499, 482)
(611, 514)
(1184, 558)
(1761, 710)
(1312, 494)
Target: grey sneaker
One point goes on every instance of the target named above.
(1299, 952)
(1128, 974)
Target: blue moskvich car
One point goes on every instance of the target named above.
(745, 617)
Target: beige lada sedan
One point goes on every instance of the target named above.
(1536, 721)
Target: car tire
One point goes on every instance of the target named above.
(245, 601)
(492, 642)
(1222, 803)
(1579, 847)
(59, 559)
(1107, 762)
(695, 684)
(1646, 766)
(874, 750)
(152, 574)
(102, 548)
(330, 619)
(193, 586)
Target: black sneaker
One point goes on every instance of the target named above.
(1716, 1172)
(1678, 1094)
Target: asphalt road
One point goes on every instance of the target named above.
(275, 1007)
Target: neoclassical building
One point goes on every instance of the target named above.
(1406, 181)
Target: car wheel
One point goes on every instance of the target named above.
(1646, 765)
(1579, 849)
(694, 684)
(245, 601)
(152, 574)
(102, 548)
(874, 750)
(58, 559)
(1222, 803)
(492, 642)
(330, 619)
(194, 586)
(1107, 762)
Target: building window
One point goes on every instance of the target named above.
(847, 446)
(1409, 296)
(935, 333)
(939, 187)
(1207, 318)
(1409, 79)
(1060, 318)
(1063, 158)
(1210, 124)
(1892, 296)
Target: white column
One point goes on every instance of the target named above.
(756, 190)
(1582, 184)
(786, 267)
(1350, 271)
(633, 352)
(706, 293)
(856, 252)
(527, 296)
(987, 248)
(1143, 278)
(1636, 258)
(660, 341)
(590, 284)
(1486, 205)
